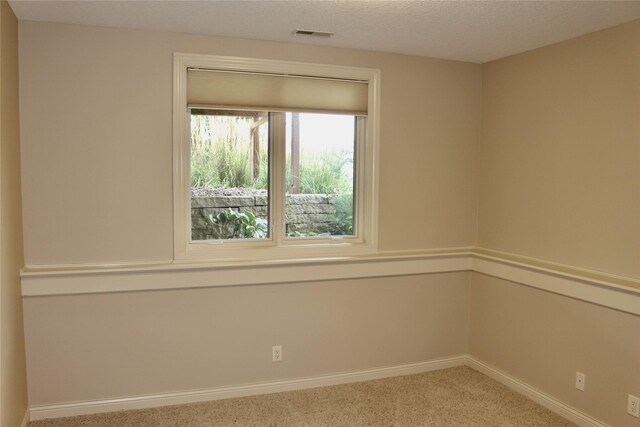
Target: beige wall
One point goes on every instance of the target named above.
(544, 338)
(560, 181)
(13, 382)
(113, 345)
(560, 155)
(96, 109)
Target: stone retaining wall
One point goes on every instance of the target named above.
(305, 212)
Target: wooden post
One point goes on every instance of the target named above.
(255, 142)
(295, 153)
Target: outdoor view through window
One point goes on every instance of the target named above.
(230, 176)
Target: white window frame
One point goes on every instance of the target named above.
(276, 247)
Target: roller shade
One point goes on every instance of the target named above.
(274, 92)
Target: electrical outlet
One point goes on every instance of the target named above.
(633, 406)
(276, 353)
(580, 380)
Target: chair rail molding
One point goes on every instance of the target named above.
(620, 293)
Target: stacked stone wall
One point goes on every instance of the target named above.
(305, 212)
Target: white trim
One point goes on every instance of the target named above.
(596, 292)
(173, 276)
(607, 290)
(228, 392)
(538, 396)
(561, 270)
(164, 399)
(367, 183)
(181, 154)
(25, 419)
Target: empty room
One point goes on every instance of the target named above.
(319, 213)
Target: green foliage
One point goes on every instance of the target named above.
(307, 234)
(342, 220)
(221, 165)
(322, 173)
(201, 161)
(237, 225)
(343, 215)
(221, 153)
(232, 169)
(225, 164)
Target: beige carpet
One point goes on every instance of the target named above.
(450, 397)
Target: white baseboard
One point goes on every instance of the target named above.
(25, 419)
(151, 401)
(549, 402)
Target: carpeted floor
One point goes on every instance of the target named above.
(451, 397)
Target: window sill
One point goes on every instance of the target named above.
(233, 263)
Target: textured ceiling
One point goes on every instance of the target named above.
(476, 31)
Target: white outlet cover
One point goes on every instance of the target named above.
(580, 380)
(633, 406)
(276, 353)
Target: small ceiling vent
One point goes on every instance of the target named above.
(300, 32)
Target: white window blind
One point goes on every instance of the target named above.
(275, 92)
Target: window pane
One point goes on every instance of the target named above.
(229, 175)
(320, 175)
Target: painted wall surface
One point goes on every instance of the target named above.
(13, 381)
(544, 338)
(560, 154)
(127, 344)
(96, 109)
(560, 181)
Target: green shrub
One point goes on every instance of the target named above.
(322, 173)
(236, 225)
(224, 164)
(219, 161)
(343, 215)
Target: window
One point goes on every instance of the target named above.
(273, 159)
(229, 174)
